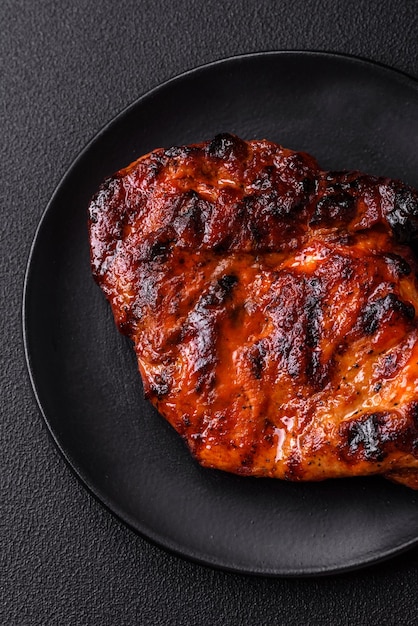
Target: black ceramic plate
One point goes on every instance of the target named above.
(349, 114)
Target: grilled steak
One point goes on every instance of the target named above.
(271, 305)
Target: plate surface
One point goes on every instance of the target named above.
(348, 114)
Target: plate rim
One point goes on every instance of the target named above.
(117, 512)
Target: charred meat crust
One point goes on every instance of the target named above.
(272, 306)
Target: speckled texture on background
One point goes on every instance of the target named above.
(66, 70)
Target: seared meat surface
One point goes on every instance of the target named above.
(271, 305)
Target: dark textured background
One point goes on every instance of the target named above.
(66, 70)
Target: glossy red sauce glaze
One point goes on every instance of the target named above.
(271, 305)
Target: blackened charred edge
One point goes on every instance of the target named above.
(178, 151)
(403, 217)
(226, 146)
(374, 313)
(106, 219)
(99, 203)
(399, 266)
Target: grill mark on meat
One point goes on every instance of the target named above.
(363, 438)
(375, 312)
(191, 215)
(313, 312)
(316, 373)
(333, 207)
(226, 283)
(158, 248)
(298, 333)
(373, 436)
(257, 355)
(201, 328)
